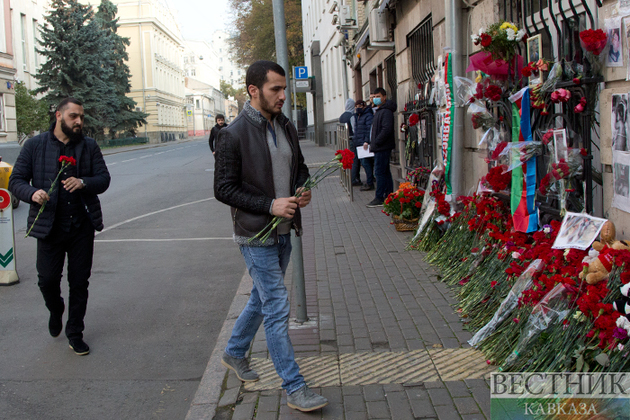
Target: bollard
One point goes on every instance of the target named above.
(8, 273)
(299, 283)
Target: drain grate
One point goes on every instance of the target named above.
(378, 368)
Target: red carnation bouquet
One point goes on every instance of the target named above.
(413, 119)
(497, 178)
(65, 162)
(593, 41)
(343, 160)
(405, 202)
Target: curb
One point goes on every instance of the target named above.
(115, 150)
(206, 400)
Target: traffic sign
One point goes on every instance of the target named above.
(302, 83)
(189, 113)
(301, 72)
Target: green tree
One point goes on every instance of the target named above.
(254, 33)
(32, 114)
(228, 90)
(123, 116)
(83, 57)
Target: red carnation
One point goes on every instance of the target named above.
(486, 40)
(346, 158)
(413, 119)
(70, 160)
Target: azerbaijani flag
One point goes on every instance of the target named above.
(524, 211)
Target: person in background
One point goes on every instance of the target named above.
(214, 133)
(382, 142)
(364, 116)
(349, 119)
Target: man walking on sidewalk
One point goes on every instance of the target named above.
(383, 140)
(72, 213)
(258, 167)
(214, 133)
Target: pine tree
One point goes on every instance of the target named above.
(124, 118)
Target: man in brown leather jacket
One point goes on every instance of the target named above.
(259, 168)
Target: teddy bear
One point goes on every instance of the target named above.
(600, 266)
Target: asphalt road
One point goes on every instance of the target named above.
(165, 272)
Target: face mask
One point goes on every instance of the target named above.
(376, 101)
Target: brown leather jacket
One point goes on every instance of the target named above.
(243, 177)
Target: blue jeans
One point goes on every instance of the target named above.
(384, 180)
(269, 301)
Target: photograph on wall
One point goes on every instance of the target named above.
(619, 122)
(614, 57)
(621, 181)
(560, 145)
(626, 42)
(534, 53)
(578, 230)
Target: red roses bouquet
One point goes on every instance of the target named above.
(593, 41)
(498, 179)
(343, 160)
(65, 162)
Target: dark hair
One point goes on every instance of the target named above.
(221, 116)
(359, 102)
(64, 103)
(380, 90)
(257, 73)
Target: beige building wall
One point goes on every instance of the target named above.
(8, 125)
(156, 65)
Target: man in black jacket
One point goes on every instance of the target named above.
(71, 213)
(383, 141)
(214, 133)
(258, 170)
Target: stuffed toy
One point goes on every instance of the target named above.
(599, 267)
(606, 236)
(623, 305)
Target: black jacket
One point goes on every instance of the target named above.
(383, 134)
(37, 166)
(214, 133)
(243, 177)
(364, 126)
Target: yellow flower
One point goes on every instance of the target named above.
(507, 25)
(479, 77)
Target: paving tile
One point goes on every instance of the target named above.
(269, 403)
(440, 396)
(466, 405)
(377, 409)
(374, 393)
(447, 412)
(229, 397)
(399, 407)
(243, 412)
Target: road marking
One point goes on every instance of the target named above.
(159, 153)
(163, 240)
(128, 160)
(112, 164)
(145, 156)
(152, 213)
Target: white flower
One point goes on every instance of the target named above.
(620, 347)
(520, 34)
(579, 316)
(511, 35)
(475, 38)
(547, 229)
(622, 322)
(516, 255)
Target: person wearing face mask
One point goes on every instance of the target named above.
(364, 117)
(382, 142)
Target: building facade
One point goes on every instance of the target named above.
(156, 64)
(8, 124)
(351, 47)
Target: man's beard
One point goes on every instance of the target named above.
(73, 136)
(267, 106)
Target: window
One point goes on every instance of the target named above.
(197, 103)
(193, 72)
(3, 125)
(23, 39)
(420, 42)
(35, 42)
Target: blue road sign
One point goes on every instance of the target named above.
(301, 72)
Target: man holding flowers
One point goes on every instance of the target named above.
(259, 172)
(60, 173)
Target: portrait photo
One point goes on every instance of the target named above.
(621, 179)
(534, 53)
(578, 230)
(619, 122)
(615, 53)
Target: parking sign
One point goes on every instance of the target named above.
(301, 72)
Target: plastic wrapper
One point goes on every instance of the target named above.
(490, 137)
(524, 282)
(553, 308)
(555, 74)
(519, 153)
(481, 117)
(464, 90)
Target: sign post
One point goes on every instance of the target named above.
(8, 272)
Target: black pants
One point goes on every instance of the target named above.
(51, 254)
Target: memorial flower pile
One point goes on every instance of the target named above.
(405, 202)
(500, 40)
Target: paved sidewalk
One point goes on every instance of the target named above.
(383, 340)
